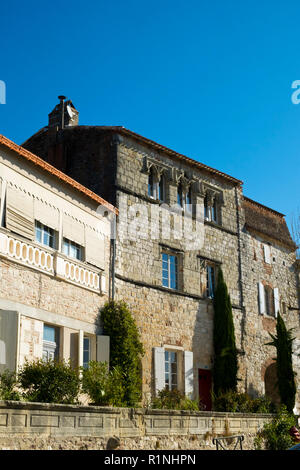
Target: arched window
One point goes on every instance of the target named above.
(151, 183)
(180, 195)
(161, 188)
(188, 199)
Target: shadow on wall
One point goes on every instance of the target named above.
(202, 346)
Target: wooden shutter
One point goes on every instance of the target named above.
(94, 248)
(276, 301)
(102, 348)
(73, 229)
(267, 254)
(19, 213)
(261, 299)
(159, 368)
(9, 325)
(188, 373)
(46, 214)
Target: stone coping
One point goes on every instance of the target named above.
(119, 410)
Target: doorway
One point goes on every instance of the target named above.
(205, 383)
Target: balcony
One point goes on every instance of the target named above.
(51, 262)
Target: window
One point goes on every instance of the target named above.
(50, 342)
(179, 195)
(161, 188)
(72, 249)
(269, 301)
(210, 210)
(156, 186)
(86, 351)
(188, 200)
(210, 281)
(169, 271)
(171, 368)
(151, 183)
(44, 235)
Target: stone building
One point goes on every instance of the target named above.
(54, 263)
(179, 221)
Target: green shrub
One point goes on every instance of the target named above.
(275, 434)
(49, 382)
(234, 402)
(104, 386)
(126, 349)
(8, 384)
(173, 400)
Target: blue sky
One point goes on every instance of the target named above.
(211, 80)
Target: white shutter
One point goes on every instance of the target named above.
(9, 333)
(46, 214)
(159, 368)
(188, 373)
(94, 248)
(276, 301)
(2, 197)
(261, 298)
(73, 229)
(103, 348)
(80, 348)
(267, 254)
(19, 212)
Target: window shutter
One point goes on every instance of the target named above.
(103, 348)
(19, 213)
(159, 368)
(1, 202)
(73, 229)
(9, 326)
(261, 298)
(94, 248)
(80, 348)
(46, 214)
(276, 301)
(267, 254)
(188, 373)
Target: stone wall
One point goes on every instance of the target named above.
(114, 163)
(43, 426)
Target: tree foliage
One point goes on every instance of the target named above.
(126, 349)
(103, 386)
(49, 381)
(225, 353)
(283, 343)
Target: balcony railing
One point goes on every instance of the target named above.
(51, 262)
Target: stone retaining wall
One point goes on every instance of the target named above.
(66, 427)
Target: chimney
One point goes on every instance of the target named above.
(64, 114)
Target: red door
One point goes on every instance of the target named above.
(204, 377)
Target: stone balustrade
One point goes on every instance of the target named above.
(51, 262)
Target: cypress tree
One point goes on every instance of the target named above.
(126, 349)
(225, 353)
(285, 375)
